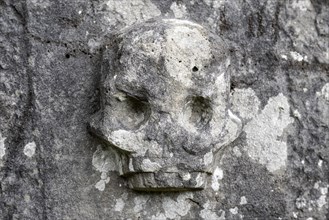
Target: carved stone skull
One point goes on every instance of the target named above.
(165, 104)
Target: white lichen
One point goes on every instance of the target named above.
(245, 103)
(325, 92)
(140, 202)
(2, 146)
(179, 208)
(297, 114)
(100, 185)
(216, 177)
(214, 3)
(208, 158)
(237, 152)
(186, 176)
(149, 166)
(283, 56)
(234, 210)
(29, 149)
(295, 214)
(179, 10)
(322, 97)
(199, 180)
(263, 134)
(159, 216)
(320, 163)
(321, 201)
(300, 203)
(209, 212)
(297, 57)
(243, 200)
(119, 205)
(104, 161)
(302, 5)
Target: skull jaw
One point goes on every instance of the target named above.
(164, 179)
(167, 181)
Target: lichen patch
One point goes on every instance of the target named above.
(209, 212)
(29, 149)
(149, 166)
(325, 92)
(179, 208)
(100, 185)
(323, 103)
(234, 210)
(215, 3)
(119, 205)
(2, 147)
(243, 200)
(323, 190)
(297, 56)
(140, 202)
(245, 102)
(179, 10)
(264, 142)
(104, 160)
(216, 177)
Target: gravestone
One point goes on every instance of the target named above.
(147, 109)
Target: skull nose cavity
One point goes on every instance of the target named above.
(130, 111)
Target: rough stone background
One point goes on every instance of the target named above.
(52, 168)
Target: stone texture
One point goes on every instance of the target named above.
(50, 87)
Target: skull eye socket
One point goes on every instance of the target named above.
(200, 111)
(131, 112)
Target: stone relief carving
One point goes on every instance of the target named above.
(165, 104)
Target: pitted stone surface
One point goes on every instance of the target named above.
(51, 85)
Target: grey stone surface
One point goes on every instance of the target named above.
(52, 167)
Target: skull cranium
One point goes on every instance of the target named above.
(165, 109)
